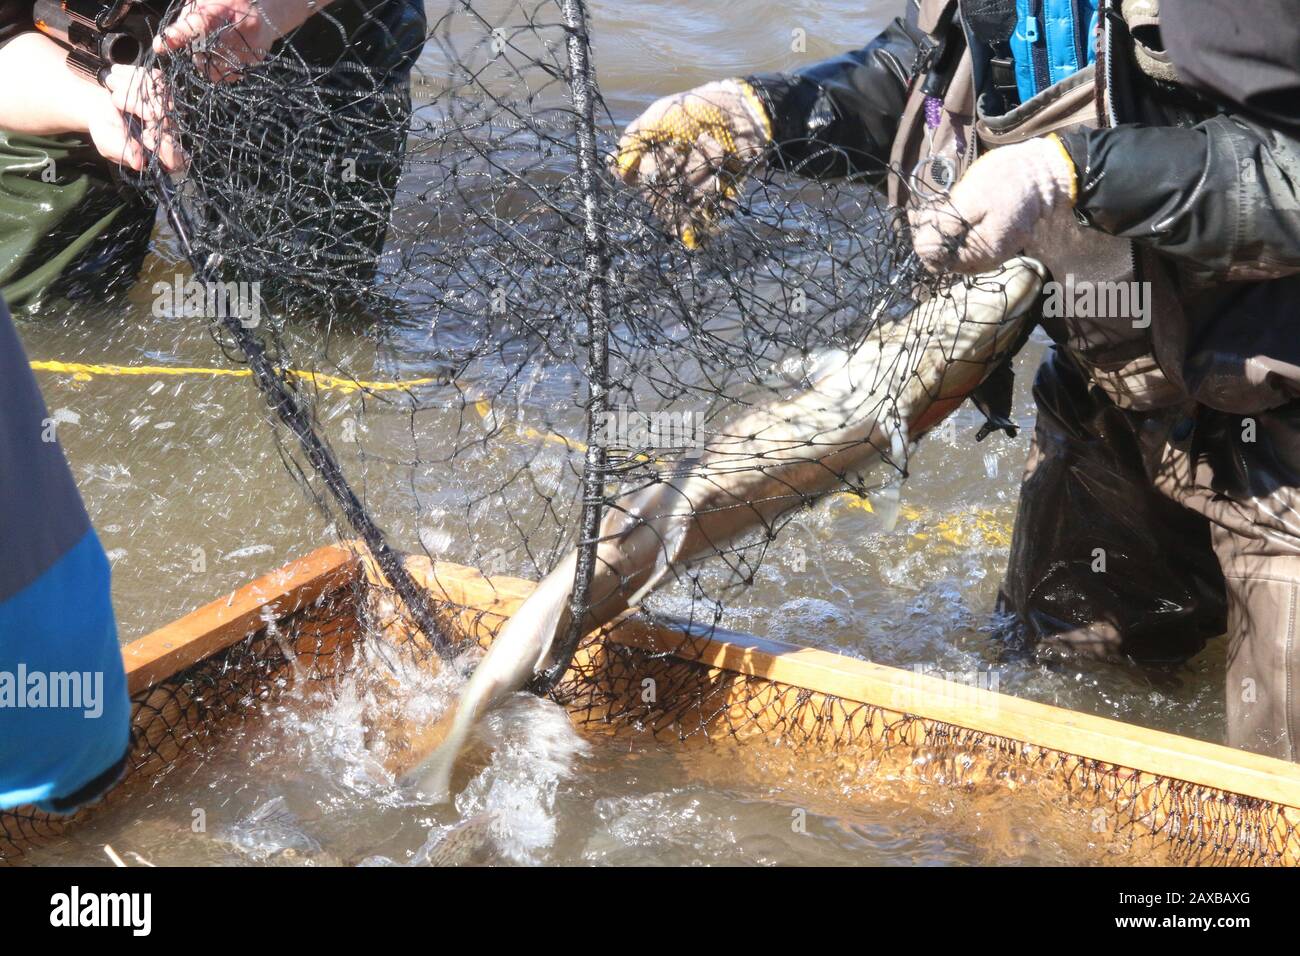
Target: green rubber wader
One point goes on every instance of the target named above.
(67, 227)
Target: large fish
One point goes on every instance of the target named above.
(906, 378)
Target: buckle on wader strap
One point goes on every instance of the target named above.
(939, 52)
(1002, 77)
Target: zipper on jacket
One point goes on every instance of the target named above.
(1036, 35)
(1106, 62)
(1081, 38)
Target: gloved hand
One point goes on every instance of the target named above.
(690, 152)
(991, 213)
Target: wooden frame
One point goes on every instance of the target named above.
(1129, 754)
(847, 678)
(216, 626)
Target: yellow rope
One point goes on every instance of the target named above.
(484, 409)
(84, 372)
(961, 529)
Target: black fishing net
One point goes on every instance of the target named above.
(432, 203)
(479, 345)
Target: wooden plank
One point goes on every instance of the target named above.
(216, 626)
(743, 674)
(1042, 725)
(1055, 728)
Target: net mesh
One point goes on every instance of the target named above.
(432, 204)
(481, 346)
(764, 726)
(179, 715)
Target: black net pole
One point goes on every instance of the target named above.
(284, 403)
(595, 297)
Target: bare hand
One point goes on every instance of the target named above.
(129, 120)
(228, 35)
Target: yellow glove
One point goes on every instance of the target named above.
(690, 152)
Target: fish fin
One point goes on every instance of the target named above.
(888, 502)
(275, 810)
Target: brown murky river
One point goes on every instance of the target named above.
(185, 486)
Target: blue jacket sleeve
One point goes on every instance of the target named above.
(64, 710)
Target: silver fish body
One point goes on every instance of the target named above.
(903, 380)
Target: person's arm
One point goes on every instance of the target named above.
(245, 30)
(71, 103)
(839, 117)
(1223, 196)
(689, 152)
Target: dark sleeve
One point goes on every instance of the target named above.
(383, 35)
(1222, 196)
(1248, 60)
(15, 18)
(839, 117)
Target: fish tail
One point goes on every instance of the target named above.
(433, 777)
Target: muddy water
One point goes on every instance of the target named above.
(185, 485)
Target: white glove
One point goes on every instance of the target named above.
(690, 152)
(992, 211)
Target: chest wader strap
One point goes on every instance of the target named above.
(931, 146)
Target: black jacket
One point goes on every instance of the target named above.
(1207, 177)
(15, 18)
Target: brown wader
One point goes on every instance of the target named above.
(1136, 535)
(1148, 523)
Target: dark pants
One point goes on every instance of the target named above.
(1148, 533)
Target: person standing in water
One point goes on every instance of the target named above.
(69, 226)
(64, 713)
(1148, 153)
